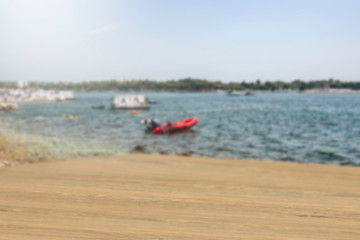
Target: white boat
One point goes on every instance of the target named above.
(130, 102)
(234, 93)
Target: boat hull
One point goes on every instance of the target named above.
(139, 107)
(174, 127)
(130, 108)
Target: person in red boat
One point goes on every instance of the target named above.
(151, 124)
(169, 127)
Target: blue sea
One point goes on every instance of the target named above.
(294, 127)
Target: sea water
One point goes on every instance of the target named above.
(314, 128)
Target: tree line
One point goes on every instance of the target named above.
(188, 85)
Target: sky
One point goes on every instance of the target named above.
(225, 40)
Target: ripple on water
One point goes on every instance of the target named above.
(286, 127)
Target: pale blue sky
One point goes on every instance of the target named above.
(76, 40)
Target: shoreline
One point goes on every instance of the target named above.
(152, 196)
(22, 149)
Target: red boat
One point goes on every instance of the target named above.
(173, 127)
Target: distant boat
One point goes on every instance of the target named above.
(234, 93)
(130, 102)
(98, 107)
(249, 93)
(66, 95)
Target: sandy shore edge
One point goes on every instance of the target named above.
(148, 196)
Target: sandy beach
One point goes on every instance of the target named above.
(139, 196)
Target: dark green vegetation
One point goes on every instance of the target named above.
(188, 85)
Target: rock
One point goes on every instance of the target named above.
(184, 154)
(139, 148)
(8, 107)
(160, 153)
